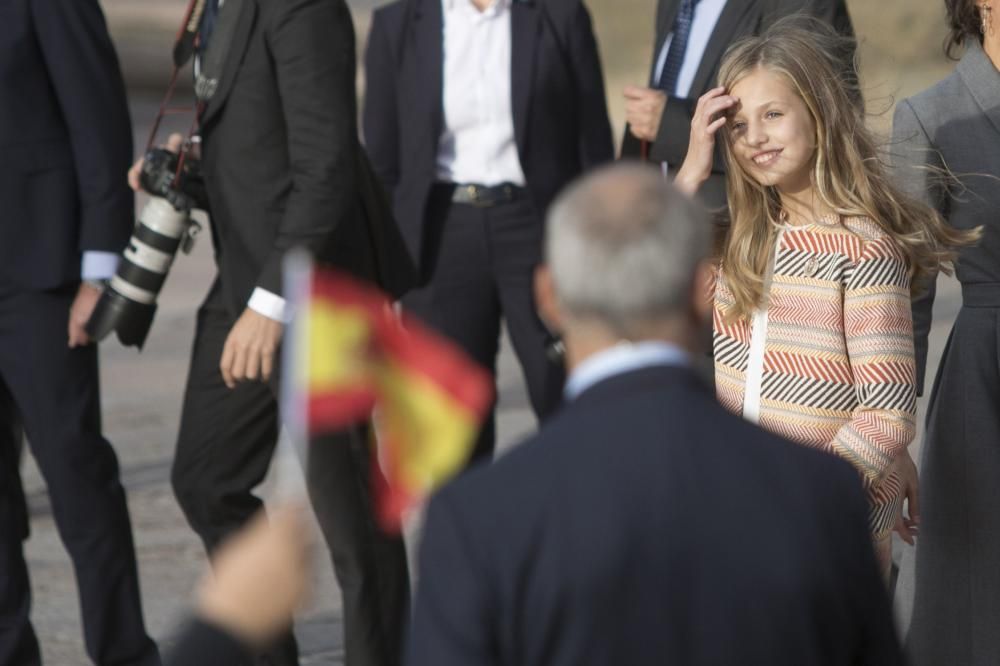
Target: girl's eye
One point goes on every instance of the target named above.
(770, 115)
(738, 126)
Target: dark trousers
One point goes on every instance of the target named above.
(227, 437)
(54, 392)
(478, 267)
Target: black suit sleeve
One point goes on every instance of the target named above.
(380, 113)
(83, 68)
(596, 140)
(312, 45)
(203, 644)
(452, 615)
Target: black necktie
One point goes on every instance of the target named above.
(207, 25)
(678, 45)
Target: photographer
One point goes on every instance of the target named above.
(281, 166)
(65, 138)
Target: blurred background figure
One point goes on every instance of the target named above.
(954, 127)
(691, 37)
(282, 170)
(608, 538)
(477, 112)
(66, 141)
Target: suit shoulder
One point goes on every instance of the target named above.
(937, 100)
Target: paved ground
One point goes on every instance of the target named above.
(142, 395)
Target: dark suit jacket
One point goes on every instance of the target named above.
(65, 141)
(646, 525)
(280, 148)
(560, 113)
(740, 18)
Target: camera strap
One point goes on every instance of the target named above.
(187, 37)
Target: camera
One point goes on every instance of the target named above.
(128, 302)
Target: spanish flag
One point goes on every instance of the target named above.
(355, 358)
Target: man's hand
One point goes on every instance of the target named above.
(250, 349)
(79, 314)
(173, 144)
(907, 526)
(644, 110)
(259, 577)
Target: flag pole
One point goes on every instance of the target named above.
(292, 456)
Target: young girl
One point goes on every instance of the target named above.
(813, 337)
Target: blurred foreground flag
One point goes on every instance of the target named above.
(349, 356)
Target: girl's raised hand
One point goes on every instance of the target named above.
(709, 116)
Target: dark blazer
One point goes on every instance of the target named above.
(740, 18)
(955, 125)
(65, 141)
(560, 112)
(646, 525)
(280, 148)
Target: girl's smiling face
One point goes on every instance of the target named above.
(772, 133)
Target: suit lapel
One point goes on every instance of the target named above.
(241, 36)
(734, 14)
(525, 25)
(426, 54)
(982, 80)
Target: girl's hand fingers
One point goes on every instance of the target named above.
(714, 126)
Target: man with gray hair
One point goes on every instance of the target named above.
(644, 524)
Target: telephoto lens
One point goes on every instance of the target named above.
(128, 303)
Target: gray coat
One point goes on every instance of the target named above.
(955, 125)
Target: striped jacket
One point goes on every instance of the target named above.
(839, 369)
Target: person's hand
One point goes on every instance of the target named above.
(259, 577)
(173, 144)
(907, 526)
(644, 111)
(709, 116)
(79, 314)
(250, 348)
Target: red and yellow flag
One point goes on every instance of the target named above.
(355, 356)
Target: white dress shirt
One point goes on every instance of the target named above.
(706, 15)
(623, 357)
(477, 144)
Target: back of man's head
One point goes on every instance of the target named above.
(622, 247)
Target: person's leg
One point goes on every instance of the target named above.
(57, 393)
(460, 298)
(224, 446)
(18, 645)
(370, 565)
(516, 232)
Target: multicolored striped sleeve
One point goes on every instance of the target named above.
(878, 329)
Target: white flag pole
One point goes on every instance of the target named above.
(291, 458)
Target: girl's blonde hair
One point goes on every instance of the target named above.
(847, 172)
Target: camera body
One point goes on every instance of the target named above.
(128, 303)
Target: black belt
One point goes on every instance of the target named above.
(483, 196)
(981, 295)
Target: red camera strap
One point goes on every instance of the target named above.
(184, 49)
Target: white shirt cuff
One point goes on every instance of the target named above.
(270, 305)
(98, 265)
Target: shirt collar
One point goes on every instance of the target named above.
(623, 357)
(492, 9)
